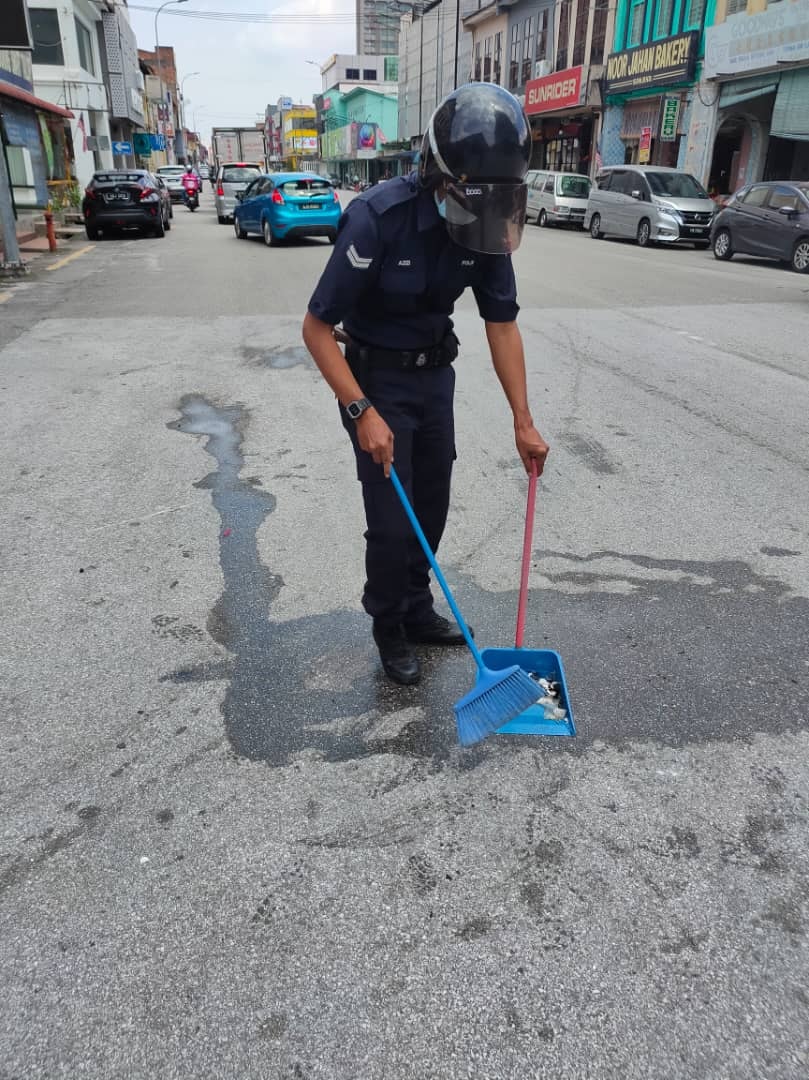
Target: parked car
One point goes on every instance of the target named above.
(651, 204)
(285, 205)
(769, 219)
(172, 177)
(232, 180)
(557, 198)
(126, 199)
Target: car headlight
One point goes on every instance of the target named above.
(670, 209)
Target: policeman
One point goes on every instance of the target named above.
(405, 251)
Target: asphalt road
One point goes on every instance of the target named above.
(229, 849)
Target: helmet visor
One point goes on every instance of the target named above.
(486, 217)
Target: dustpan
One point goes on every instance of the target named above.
(539, 663)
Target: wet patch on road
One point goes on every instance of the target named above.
(674, 651)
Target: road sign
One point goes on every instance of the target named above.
(668, 122)
(143, 146)
(122, 148)
(157, 142)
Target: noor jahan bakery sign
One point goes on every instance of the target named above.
(665, 63)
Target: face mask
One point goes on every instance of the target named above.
(440, 205)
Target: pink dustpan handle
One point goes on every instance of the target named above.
(526, 554)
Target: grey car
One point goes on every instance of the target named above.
(650, 204)
(770, 219)
(232, 180)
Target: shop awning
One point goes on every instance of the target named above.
(9, 90)
(790, 114)
(734, 93)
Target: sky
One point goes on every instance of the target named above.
(244, 66)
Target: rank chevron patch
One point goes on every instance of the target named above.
(357, 260)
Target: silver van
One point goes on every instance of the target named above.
(232, 180)
(650, 204)
(557, 198)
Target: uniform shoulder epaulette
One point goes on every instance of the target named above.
(383, 197)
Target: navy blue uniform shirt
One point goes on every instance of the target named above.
(395, 274)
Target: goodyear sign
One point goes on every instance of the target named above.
(665, 63)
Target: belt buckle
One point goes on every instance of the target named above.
(421, 359)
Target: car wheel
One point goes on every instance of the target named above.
(542, 220)
(722, 246)
(237, 228)
(644, 236)
(167, 222)
(222, 219)
(333, 237)
(800, 256)
(270, 239)
(171, 210)
(595, 227)
(92, 232)
(159, 230)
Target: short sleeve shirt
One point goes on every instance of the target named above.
(395, 273)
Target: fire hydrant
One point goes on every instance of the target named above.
(50, 232)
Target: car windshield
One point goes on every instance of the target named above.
(239, 174)
(677, 185)
(575, 187)
(118, 178)
(305, 187)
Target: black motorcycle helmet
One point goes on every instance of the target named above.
(478, 144)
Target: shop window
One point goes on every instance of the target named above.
(737, 6)
(391, 69)
(541, 52)
(637, 21)
(580, 35)
(47, 36)
(564, 33)
(694, 14)
(487, 60)
(599, 37)
(514, 58)
(476, 73)
(85, 47)
(663, 18)
(498, 58)
(527, 50)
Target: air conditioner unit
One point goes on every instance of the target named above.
(542, 68)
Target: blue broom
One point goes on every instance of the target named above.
(498, 696)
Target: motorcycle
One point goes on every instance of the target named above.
(191, 195)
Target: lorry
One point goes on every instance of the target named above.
(238, 144)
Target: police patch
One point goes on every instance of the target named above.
(356, 260)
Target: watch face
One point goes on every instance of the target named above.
(355, 409)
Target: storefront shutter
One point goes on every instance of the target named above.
(790, 115)
(734, 93)
(638, 115)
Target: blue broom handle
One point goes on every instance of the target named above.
(470, 641)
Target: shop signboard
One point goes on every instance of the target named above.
(644, 146)
(143, 144)
(668, 119)
(563, 90)
(779, 35)
(645, 67)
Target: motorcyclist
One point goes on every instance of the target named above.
(191, 183)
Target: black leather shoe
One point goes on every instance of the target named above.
(436, 630)
(398, 659)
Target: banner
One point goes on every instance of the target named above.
(560, 91)
(666, 63)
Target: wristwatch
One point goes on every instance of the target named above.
(355, 409)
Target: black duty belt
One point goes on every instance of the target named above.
(404, 359)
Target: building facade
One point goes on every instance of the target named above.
(162, 105)
(34, 133)
(753, 117)
(378, 26)
(121, 72)
(67, 72)
(651, 80)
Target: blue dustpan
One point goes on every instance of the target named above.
(542, 663)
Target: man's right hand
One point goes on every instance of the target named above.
(376, 438)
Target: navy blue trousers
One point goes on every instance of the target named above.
(418, 408)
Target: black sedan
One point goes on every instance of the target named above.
(126, 199)
(769, 219)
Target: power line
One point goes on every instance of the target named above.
(256, 17)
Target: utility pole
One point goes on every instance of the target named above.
(8, 223)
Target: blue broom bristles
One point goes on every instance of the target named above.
(499, 696)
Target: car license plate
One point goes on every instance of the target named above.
(309, 206)
(696, 232)
(116, 196)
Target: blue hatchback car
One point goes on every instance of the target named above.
(285, 205)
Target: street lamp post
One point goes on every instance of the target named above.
(190, 75)
(161, 123)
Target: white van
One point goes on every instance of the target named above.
(650, 204)
(557, 198)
